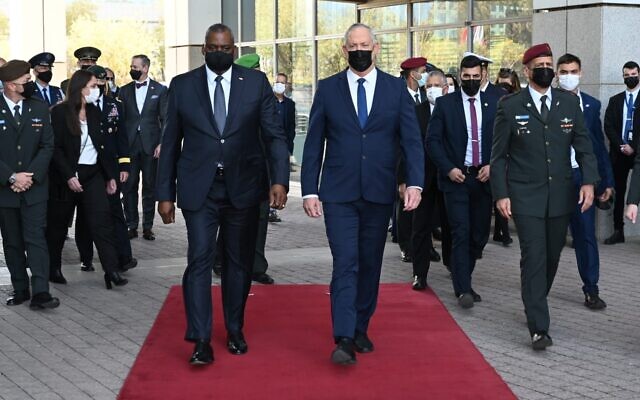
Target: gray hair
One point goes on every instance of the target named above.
(356, 26)
(439, 74)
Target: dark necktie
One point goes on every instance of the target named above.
(628, 125)
(16, 114)
(46, 96)
(544, 110)
(362, 103)
(475, 144)
(139, 85)
(417, 96)
(219, 106)
(98, 104)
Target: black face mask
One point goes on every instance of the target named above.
(135, 75)
(470, 86)
(506, 87)
(543, 76)
(45, 76)
(218, 61)
(29, 89)
(360, 60)
(85, 66)
(631, 81)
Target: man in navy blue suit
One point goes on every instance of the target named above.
(583, 224)
(222, 144)
(459, 143)
(361, 117)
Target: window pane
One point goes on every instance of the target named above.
(335, 17)
(266, 58)
(385, 17)
(330, 58)
(230, 15)
(393, 51)
(295, 60)
(257, 20)
(503, 43)
(494, 9)
(295, 18)
(442, 48)
(439, 12)
(4, 30)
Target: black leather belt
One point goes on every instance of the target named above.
(471, 170)
(220, 171)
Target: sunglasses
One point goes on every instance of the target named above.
(506, 70)
(109, 79)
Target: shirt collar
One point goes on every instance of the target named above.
(11, 104)
(211, 76)
(40, 86)
(535, 95)
(370, 77)
(413, 92)
(633, 92)
(466, 97)
(485, 86)
(146, 80)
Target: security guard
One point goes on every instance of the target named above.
(26, 148)
(112, 127)
(531, 178)
(87, 56)
(42, 64)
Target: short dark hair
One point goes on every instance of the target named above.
(145, 60)
(568, 59)
(470, 62)
(283, 74)
(631, 65)
(218, 28)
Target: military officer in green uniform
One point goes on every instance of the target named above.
(531, 178)
(26, 148)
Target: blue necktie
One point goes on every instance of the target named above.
(219, 106)
(362, 103)
(628, 126)
(46, 97)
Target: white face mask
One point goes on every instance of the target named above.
(433, 93)
(94, 94)
(279, 87)
(569, 82)
(452, 88)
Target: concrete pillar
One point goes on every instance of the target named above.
(186, 22)
(601, 33)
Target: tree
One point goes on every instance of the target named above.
(80, 9)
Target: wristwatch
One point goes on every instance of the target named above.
(12, 178)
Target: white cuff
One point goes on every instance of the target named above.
(310, 196)
(415, 187)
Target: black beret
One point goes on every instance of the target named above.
(13, 70)
(87, 53)
(44, 59)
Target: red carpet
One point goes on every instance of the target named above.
(421, 353)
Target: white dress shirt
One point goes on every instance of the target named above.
(100, 102)
(634, 94)
(468, 158)
(574, 162)
(226, 86)
(88, 153)
(535, 96)
(369, 87)
(141, 94)
(12, 105)
(40, 88)
(413, 94)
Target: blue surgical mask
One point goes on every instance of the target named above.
(423, 79)
(1, 87)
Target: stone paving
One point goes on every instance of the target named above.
(85, 348)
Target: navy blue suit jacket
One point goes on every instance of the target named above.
(55, 95)
(591, 110)
(447, 135)
(253, 145)
(360, 163)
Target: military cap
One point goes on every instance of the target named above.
(538, 50)
(484, 61)
(411, 63)
(431, 67)
(249, 61)
(98, 71)
(87, 53)
(13, 70)
(45, 59)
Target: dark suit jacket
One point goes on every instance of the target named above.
(360, 163)
(447, 137)
(495, 91)
(591, 110)
(55, 95)
(253, 140)
(152, 117)
(27, 147)
(67, 147)
(289, 122)
(112, 127)
(613, 124)
(530, 158)
(423, 113)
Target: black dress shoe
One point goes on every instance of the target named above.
(56, 276)
(43, 300)
(87, 267)
(362, 343)
(115, 278)
(148, 234)
(236, 343)
(344, 353)
(437, 234)
(202, 353)
(419, 282)
(405, 257)
(434, 255)
(616, 237)
(465, 300)
(540, 341)
(263, 278)
(18, 297)
(594, 302)
(506, 241)
(476, 296)
(217, 269)
(497, 237)
(127, 265)
(133, 233)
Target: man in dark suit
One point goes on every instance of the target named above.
(145, 106)
(42, 64)
(485, 85)
(223, 144)
(26, 148)
(532, 180)
(583, 224)
(459, 143)
(286, 109)
(620, 119)
(362, 116)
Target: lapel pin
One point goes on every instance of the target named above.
(240, 78)
(528, 104)
(486, 104)
(4, 111)
(558, 103)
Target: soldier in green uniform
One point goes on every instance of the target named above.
(26, 148)
(531, 178)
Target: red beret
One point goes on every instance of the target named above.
(411, 63)
(539, 50)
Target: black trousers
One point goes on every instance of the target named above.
(23, 237)
(403, 226)
(93, 204)
(621, 166)
(84, 241)
(239, 228)
(145, 163)
(500, 225)
(424, 220)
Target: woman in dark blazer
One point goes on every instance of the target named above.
(80, 176)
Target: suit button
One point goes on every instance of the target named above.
(19, 147)
(549, 160)
(547, 143)
(19, 162)
(222, 141)
(364, 136)
(546, 127)
(550, 178)
(364, 157)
